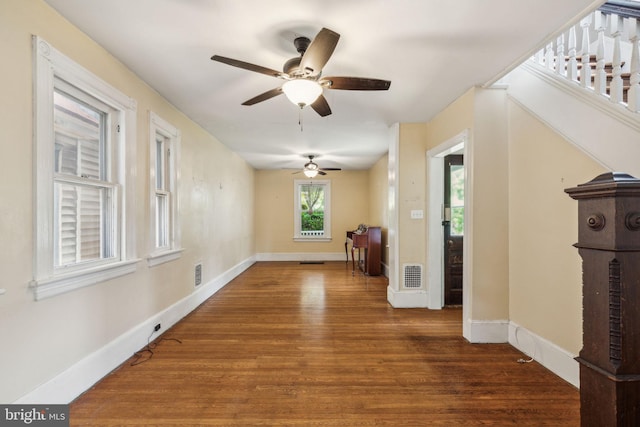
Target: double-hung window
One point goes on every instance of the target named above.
(164, 154)
(84, 133)
(312, 210)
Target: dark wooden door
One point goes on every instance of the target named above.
(453, 224)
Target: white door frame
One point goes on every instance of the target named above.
(435, 197)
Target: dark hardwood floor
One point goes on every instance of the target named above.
(311, 345)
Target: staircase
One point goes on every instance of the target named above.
(609, 66)
(588, 94)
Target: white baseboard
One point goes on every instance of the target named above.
(385, 269)
(407, 298)
(302, 256)
(488, 331)
(556, 359)
(66, 386)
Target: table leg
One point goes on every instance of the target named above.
(345, 249)
(353, 262)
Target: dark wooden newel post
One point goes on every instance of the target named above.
(609, 244)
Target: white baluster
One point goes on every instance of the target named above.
(585, 71)
(616, 80)
(633, 95)
(561, 62)
(548, 56)
(600, 83)
(572, 66)
(538, 57)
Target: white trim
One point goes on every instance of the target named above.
(556, 359)
(601, 102)
(435, 256)
(65, 283)
(302, 256)
(49, 65)
(593, 120)
(312, 239)
(435, 253)
(66, 386)
(158, 125)
(393, 174)
(407, 298)
(488, 331)
(297, 221)
(162, 257)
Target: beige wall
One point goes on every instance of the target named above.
(482, 113)
(544, 268)
(411, 180)
(490, 220)
(379, 201)
(274, 211)
(451, 121)
(41, 339)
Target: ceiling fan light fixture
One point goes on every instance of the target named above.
(302, 92)
(311, 173)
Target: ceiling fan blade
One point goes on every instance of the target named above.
(264, 96)
(330, 169)
(250, 67)
(321, 106)
(321, 173)
(319, 51)
(355, 83)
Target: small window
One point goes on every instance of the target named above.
(312, 210)
(164, 154)
(457, 200)
(84, 208)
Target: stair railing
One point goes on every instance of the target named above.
(609, 65)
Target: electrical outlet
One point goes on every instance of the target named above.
(156, 328)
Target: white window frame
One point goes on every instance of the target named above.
(171, 136)
(51, 68)
(298, 236)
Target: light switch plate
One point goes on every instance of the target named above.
(417, 214)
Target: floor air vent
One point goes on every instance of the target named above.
(412, 276)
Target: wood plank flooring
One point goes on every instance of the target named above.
(289, 344)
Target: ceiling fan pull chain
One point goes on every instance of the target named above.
(300, 121)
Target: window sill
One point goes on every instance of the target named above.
(312, 239)
(162, 257)
(50, 287)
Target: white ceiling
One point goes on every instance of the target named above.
(432, 51)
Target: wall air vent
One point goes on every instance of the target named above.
(412, 276)
(198, 274)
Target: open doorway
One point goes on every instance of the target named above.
(440, 216)
(453, 228)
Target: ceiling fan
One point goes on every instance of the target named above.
(311, 168)
(303, 81)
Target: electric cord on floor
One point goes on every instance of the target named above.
(148, 349)
(522, 359)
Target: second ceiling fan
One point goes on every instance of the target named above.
(304, 83)
(311, 168)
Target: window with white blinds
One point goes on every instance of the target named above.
(84, 199)
(164, 154)
(84, 228)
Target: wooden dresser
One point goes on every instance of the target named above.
(368, 245)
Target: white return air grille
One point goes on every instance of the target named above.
(412, 276)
